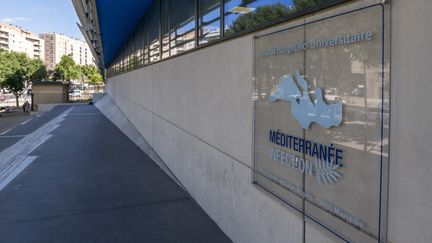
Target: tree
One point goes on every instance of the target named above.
(91, 74)
(10, 62)
(38, 70)
(5, 64)
(16, 69)
(16, 83)
(67, 69)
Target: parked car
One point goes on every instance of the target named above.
(2, 98)
(75, 93)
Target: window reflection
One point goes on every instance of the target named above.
(165, 28)
(169, 26)
(209, 21)
(183, 26)
(144, 41)
(128, 56)
(139, 45)
(241, 15)
(152, 24)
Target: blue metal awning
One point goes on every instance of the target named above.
(117, 19)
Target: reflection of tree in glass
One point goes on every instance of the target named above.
(267, 13)
(261, 15)
(304, 4)
(244, 3)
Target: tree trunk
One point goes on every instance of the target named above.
(17, 101)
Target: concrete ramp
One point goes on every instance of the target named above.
(110, 109)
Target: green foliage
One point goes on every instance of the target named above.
(10, 62)
(67, 69)
(39, 71)
(91, 74)
(15, 82)
(304, 4)
(260, 16)
(16, 69)
(267, 13)
(4, 65)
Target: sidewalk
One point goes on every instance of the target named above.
(12, 119)
(89, 183)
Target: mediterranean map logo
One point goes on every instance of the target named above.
(303, 109)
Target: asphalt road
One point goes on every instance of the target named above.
(90, 183)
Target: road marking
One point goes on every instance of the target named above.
(85, 114)
(24, 122)
(12, 136)
(15, 158)
(3, 133)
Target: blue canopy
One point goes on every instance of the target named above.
(117, 19)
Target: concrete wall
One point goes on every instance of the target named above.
(200, 124)
(410, 206)
(196, 111)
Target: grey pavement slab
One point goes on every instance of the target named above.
(12, 119)
(17, 130)
(6, 141)
(38, 121)
(90, 183)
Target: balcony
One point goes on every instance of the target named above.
(32, 38)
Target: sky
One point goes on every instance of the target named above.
(41, 16)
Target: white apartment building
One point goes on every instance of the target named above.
(14, 38)
(58, 45)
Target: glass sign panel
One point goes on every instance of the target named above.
(321, 132)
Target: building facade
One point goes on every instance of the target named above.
(14, 38)
(287, 121)
(58, 45)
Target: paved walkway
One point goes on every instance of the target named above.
(88, 182)
(11, 120)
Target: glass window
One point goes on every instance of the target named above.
(183, 25)
(130, 54)
(152, 24)
(121, 61)
(124, 59)
(138, 46)
(133, 63)
(165, 29)
(241, 15)
(209, 20)
(168, 27)
(116, 67)
(144, 41)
